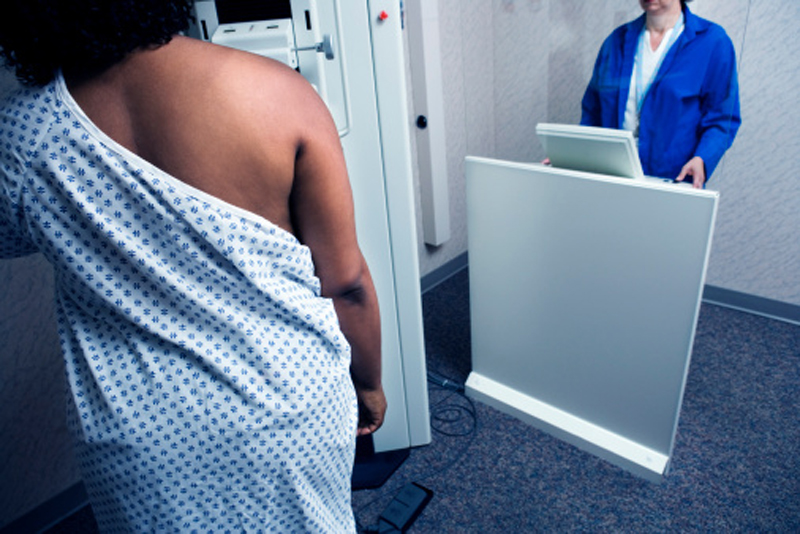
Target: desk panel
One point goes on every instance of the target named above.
(585, 291)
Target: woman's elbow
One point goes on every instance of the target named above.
(354, 286)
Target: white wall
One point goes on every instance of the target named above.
(509, 64)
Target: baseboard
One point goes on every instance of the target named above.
(640, 460)
(771, 309)
(51, 511)
(443, 272)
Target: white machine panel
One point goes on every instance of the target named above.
(273, 39)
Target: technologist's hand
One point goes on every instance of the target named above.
(371, 410)
(696, 169)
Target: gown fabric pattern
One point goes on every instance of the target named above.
(209, 379)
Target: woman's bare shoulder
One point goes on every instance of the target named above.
(256, 83)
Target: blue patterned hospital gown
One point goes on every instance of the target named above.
(210, 379)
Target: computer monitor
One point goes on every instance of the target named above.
(235, 11)
(591, 149)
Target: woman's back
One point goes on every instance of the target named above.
(215, 309)
(228, 123)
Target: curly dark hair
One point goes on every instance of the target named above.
(38, 37)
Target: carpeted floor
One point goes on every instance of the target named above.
(735, 466)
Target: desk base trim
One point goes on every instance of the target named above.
(641, 461)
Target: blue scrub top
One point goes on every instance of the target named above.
(692, 108)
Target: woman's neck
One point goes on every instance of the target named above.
(660, 23)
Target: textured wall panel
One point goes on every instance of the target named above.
(756, 249)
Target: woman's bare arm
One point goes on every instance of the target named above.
(322, 211)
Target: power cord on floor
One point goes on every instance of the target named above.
(445, 383)
(447, 416)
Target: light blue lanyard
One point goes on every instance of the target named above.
(641, 87)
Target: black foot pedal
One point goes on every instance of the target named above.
(404, 509)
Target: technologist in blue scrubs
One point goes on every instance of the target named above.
(670, 77)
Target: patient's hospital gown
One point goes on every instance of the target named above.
(210, 380)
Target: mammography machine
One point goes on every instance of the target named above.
(352, 52)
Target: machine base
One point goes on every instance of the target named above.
(371, 469)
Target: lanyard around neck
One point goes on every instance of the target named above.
(643, 87)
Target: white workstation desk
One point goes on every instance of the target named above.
(584, 294)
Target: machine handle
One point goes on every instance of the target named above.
(326, 46)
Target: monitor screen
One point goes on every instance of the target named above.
(590, 149)
(233, 11)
